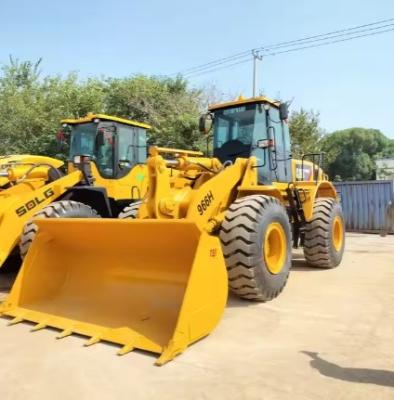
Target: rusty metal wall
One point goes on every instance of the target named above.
(367, 206)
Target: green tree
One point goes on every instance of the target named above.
(31, 106)
(305, 132)
(351, 153)
(167, 104)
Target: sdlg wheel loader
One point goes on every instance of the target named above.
(106, 170)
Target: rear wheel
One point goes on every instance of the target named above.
(256, 243)
(58, 209)
(130, 211)
(325, 234)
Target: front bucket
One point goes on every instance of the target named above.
(156, 285)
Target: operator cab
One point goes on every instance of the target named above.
(113, 144)
(253, 127)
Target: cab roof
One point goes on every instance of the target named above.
(242, 100)
(90, 117)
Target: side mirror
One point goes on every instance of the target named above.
(283, 111)
(205, 123)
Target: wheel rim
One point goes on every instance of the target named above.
(275, 247)
(337, 233)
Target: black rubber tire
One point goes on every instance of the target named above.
(58, 209)
(131, 211)
(319, 250)
(242, 236)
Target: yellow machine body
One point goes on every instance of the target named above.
(25, 190)
(307, 171)
(131, 186)
(157, 282)
(159, 298)
(104, 279)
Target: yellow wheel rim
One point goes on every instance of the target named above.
(275, 247)
(337, 233)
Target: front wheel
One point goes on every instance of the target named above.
(131, 211)
(256, 243)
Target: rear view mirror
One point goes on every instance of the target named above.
(205, 123)
(283, 111)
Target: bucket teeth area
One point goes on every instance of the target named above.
(123, 336)
(15, 321)
(156, 298)
(126, 349)
(39, 326)
(64, 334)
(93, 340)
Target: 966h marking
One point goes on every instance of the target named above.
(205, 203)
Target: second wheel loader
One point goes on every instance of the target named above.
(158, 279)
(106, 170)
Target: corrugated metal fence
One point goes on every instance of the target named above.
(367, 206)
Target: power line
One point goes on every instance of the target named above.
(326, 40)
(246, 56)
(274, 53)
(248, 52)
(296, 43)
(330, 33)
(330, 42)
(220, 67)
(287, 51)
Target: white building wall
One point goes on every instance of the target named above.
(385, 169)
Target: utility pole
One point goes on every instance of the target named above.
(256, 57)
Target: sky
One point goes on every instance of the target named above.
(349, 84)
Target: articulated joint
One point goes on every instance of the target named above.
(213, 225)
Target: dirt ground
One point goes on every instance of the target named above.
(329, 335)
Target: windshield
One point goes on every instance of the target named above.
(236, 131)
(83, 138)
(132, 144)
(237, 123)
(84, 141)
(114, 148)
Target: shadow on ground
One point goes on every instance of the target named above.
(302, 265)
(379, 377)
(235, 301)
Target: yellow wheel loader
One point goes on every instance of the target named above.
(158, 279)
(106, 170)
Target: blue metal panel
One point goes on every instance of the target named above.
(367, 206)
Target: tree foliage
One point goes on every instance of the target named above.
(351, 153)
(305, 132)
(168, 105)
(31, 106)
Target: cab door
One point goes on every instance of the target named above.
(280, 154)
